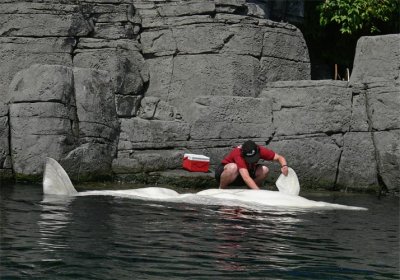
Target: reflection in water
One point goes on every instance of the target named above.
(54, 217)
(238, 225)
(229, 249)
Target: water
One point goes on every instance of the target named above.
(100, 237)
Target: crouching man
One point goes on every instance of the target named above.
(240, 167)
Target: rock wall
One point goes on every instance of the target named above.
(376, 84)
(122, 87)
(339, 134)
(66, 113)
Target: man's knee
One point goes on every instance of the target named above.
(231, 169)
(262, 171)
(228, 175)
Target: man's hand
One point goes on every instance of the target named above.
(285, 170)
(247, 179)
(282, 161)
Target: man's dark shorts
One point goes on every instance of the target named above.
(239, 180)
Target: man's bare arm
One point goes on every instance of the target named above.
(247, 179)
(283, 163)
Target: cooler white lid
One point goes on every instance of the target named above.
(196, 157)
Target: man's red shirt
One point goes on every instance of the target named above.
(235, 156)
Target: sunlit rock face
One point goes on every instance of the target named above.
(121, 87)
(64, 112)
(376, 77)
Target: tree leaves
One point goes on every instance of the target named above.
(357, 15)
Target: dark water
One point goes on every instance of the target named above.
(115, 238)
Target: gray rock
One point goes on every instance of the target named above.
(42, 122)
(383, 107)
(147, 161)
(95, 104)
(259, 10)
(227, 117)
(126, 66)
(40, 20)
(90, 161)
(155, 22)
(279, 69)
(7, 163)
(108, 2)
(140, 133)
(17, 54)
(41, 110)
(187, 39)
(235, 19)
(43, 83)
(214, 75)
(4, 145)
(358, 166)
(229, 6)
(359, 117)
(156, 109)
(3, 108)
(314, 158)
(185, 8)
(95, 44)
(148, 106)
(98, 125)
(306, 107)
(285, 55)
(285, 44)
(159, 42)
(205, 38)
(182, 78)
(377, 59)
(166, 112)
(108, 13)
(56, 124)
(244, 39)
(161, 72)
(146, 11)
(233, 3)
(127, 105)
(388, 150)
(114, 30)
(182, 179)
(39, 130)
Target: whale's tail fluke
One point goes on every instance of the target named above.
(56, 180)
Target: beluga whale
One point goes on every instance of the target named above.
(56, 182)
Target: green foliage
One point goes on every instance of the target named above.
(329, 45)
(359, 15)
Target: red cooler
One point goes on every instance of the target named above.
(196, 163)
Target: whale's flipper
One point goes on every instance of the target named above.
(56, 180)
(288, 184)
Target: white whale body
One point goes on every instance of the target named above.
(57, 182)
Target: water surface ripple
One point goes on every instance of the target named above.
(100, 237)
